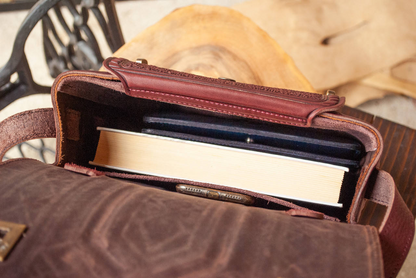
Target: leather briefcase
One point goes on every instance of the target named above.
(80, 221)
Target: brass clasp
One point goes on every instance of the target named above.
(9, 235)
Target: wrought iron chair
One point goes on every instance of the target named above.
(80, 52)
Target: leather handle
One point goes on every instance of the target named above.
(224, 96)
(24, 126)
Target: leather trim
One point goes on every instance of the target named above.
(54, 91)
(24, 126)
(375, 154)
(246, 100)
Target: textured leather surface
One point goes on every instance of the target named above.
(264, 103)
(399, 155)
(32, 124)
(80, 226)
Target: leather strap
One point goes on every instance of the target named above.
(27, 125)
(396, 236)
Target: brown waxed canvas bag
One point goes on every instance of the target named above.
(87, 222)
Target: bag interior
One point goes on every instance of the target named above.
(85, 103)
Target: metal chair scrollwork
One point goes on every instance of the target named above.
(80, 50)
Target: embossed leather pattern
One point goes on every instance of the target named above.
(264, 103)
(80, 226)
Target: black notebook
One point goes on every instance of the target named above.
(305, 143)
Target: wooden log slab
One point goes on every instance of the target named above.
(216, 42)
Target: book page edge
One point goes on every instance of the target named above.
(342, 168)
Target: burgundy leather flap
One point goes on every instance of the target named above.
(80, 226)
(225, 96)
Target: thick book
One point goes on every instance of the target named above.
(265, 173)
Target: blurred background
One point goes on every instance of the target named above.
(364, 50)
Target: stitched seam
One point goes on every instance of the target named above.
(224, 111)
(218, 104)
(323, 102)
(320, 101)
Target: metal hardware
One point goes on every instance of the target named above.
(249, 140)
(9, 235)
(141, 61)
(330, 93)
(215, 194)
(228, 79)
